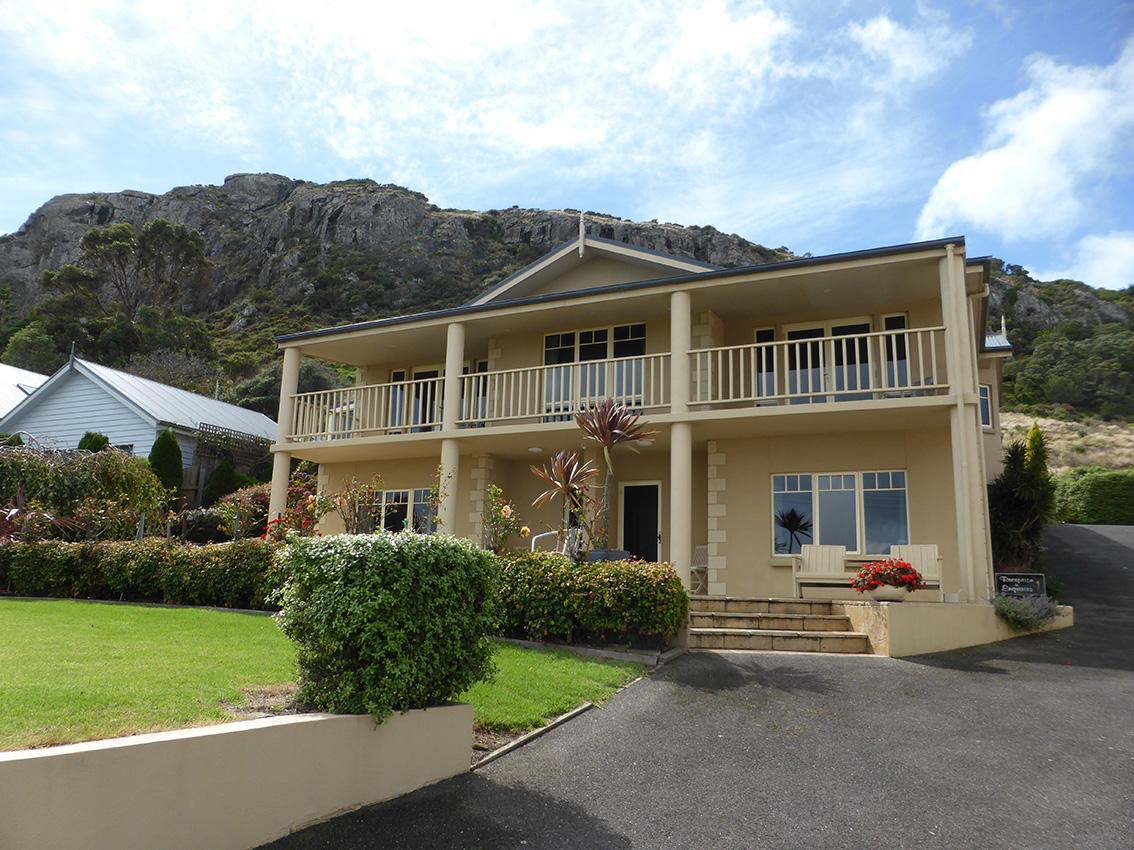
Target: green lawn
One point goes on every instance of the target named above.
(75, 671)
(532, 687)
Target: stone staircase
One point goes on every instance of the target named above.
(796, 625)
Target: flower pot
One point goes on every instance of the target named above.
(608, 555)
(888, 593)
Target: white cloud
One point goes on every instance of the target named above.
(1043, 153)
(1105, 260)
(909, 54)
(739, 114)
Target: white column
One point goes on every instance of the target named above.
(680, 331)
(281, 460)
(681, 499)
(454, 365)
(450, 471)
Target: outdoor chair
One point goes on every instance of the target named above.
(819, 565)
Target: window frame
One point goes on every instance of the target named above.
(411, 503)
(984, 393)
(610, 329)
(816, 519)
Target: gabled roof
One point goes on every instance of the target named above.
(472, 309)
(568, 255)
(164, 404)
(16, 385)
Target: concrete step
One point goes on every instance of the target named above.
(793, 640)
(788, 622)
(757, 605)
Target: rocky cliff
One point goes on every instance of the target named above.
(345, 250)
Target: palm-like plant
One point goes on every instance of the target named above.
(796, 525)
(567, 476)
(611, 424)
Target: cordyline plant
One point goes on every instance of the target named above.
(889, 571)
(568, 478)
(611, 424)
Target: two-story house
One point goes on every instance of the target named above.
(845, 400)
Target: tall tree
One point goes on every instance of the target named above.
(32, 349)
(122, 270)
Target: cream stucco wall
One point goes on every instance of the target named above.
(746, 531)
(225, 787)
(991, 372)
(601, 271)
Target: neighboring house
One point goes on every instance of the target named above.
(849, 388)
(16, 385)
(131, 411)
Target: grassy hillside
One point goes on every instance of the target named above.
(1071, 443)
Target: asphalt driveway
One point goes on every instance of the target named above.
(1027, 743)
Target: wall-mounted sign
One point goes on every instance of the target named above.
(1021, 584)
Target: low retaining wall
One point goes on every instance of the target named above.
(914, 628)
(228, 787)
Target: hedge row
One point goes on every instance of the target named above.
(1095, 496)
(229, 575)
(544, 595)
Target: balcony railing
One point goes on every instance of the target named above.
(395, 408)
(886, 364)
(556, 393)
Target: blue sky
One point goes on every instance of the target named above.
(823, 126)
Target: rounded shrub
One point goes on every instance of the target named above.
(387, 622)
(93, 441)
(165, 460)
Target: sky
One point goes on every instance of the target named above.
(818, 125)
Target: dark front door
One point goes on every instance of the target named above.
(640, 520)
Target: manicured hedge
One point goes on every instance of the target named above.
(543, 595)
(387, 622)
(1095, 496)
(241, 574)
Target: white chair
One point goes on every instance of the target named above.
(924, 559)
(820, 565)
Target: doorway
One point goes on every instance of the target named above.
(640, 518)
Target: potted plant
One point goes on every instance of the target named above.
(568, 479)
(610, 424)
(887, 580)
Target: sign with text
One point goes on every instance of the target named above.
(1021, 584)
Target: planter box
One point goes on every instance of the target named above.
(229, 787)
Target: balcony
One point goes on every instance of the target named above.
(874, 366)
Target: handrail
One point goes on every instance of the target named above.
(828, 368)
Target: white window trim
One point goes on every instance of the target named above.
(826, 325)
(860, 507)
(991, 426)
(409, 503)
(609, 340)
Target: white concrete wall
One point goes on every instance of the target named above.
(228, 787)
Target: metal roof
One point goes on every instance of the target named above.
(997, 342)
(16, 385)
(173, 406)
(469, 309)
(166, 405)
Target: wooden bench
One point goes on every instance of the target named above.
(828, 565)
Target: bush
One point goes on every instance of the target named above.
(1025, 613)
(544, 595)
(246, 511)
(1020, 503)
(1095, 496)
(202, 525)
(165, 460)
(87, 495)
(229, 575)
(92, 441)
(224, 480)
(387, 622)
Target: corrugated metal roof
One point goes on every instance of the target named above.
(181, 407)
(997, 342)
(16, 385)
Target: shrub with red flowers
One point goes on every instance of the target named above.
(888, 571)
(304, 507)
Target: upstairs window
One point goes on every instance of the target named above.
(985, 406)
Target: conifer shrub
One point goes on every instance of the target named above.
(93, 441)
(165, 460)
